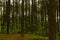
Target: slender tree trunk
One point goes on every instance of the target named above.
(45, 21)
(59, 18)
(8, 15)
(17, 12)
(35, 16)
(29, 9)
(59, 15)
(42, 13)
(19, 18)
(12, 18)
(26, 27)
(32, 14)
(22, 19)
(3, 18)
(42, 16)
(57, 24)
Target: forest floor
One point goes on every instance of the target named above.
(18, 37)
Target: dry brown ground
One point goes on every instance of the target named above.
(18, 37)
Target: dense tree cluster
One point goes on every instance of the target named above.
(30, 17)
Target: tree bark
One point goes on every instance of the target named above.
(8, 15)
(22, 19)
(52, 19)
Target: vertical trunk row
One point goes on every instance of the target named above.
(34, 16)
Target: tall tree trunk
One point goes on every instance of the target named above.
(35, 16)
(29, 9)
(22, 19)
(17, 13)
(45, 21)
(42, 16)
(52, 19)
(12, 18)
(26, 27)
(19, 18)
(32, 14)
(42, 13)
(57, 15)
(59, 18)
(8, 15)
(3, 18)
